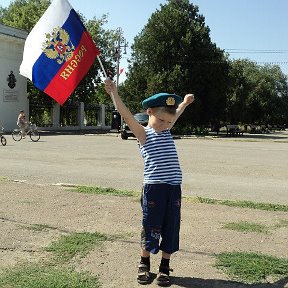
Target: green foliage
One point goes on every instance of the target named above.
(91, 88)
(179, 129)
(23, 14)
(3, 179)
(244, 226)
(245, 204)
(104, 191)
(69, 246)
(282, 223)
(54, 273)
(259, 94)
(252, 267)
(35, 276)
(174, 53)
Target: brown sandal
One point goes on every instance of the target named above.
(143, 277)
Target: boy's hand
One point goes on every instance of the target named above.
(188, 99)
(110, 86)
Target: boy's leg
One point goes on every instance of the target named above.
(153, 208)
(171, 226)
(166, 255)
(163, 278)
(145, 253)
(170, 235)
(144, 268)
(151, 231)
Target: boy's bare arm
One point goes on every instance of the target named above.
(135, 127)
(188, 99)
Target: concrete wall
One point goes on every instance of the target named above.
(12, 99)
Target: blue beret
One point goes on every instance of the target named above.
(161, 100)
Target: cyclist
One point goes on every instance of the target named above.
(22, 123)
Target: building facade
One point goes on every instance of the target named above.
(13, 86)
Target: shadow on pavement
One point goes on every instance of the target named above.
(275, 136)
(189, 282)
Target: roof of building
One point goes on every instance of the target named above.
(13, 32)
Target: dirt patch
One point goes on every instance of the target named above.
(22, 206)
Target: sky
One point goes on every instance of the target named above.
(253, 29)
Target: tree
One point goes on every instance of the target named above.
(174, 53)
(240, 89)
(23, 14)
(258, 94)
(272, 91)
(88, 90)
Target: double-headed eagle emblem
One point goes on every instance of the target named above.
(58, 45)
(170, 101)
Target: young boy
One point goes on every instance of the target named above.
(161, 195)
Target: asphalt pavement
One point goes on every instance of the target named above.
(252, 167)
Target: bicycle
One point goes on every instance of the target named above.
(3, 139)
(32, 132)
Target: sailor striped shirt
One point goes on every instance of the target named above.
(161, 163)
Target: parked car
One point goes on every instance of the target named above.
(142, 118)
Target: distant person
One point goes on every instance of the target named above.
(22, 123)
(161, 194)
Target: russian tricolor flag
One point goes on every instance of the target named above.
(58, 52)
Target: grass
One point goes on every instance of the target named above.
(240, 204)
(282, 224)
(252, 267)
(3, 179)
(54, 274)
(45, 276)
(68, 246)
(245, 204)
(243, 266)
(105, 191)
(244, 226)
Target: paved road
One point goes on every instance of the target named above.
(248, 168)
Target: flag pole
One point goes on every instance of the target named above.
(105, 74)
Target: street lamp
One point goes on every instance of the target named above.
(121, 43)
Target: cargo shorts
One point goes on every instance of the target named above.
(161, 208)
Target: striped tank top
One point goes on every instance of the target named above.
(161, 163)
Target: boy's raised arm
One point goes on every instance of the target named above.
(135, 127)
(188, 99)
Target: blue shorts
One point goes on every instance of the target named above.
(161, 206)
